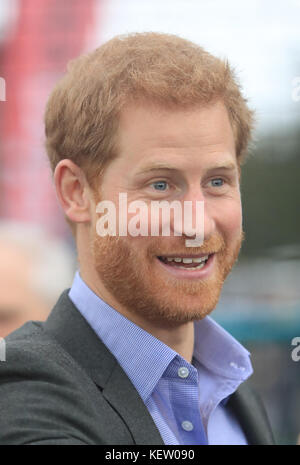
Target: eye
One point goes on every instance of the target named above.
(217, 182)
(160, 185)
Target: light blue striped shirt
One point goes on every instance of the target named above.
(186, 401)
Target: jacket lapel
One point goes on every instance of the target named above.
(252, 416)
(68, 327)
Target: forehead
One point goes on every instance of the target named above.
(151, 134)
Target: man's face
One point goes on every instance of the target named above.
(172, 155)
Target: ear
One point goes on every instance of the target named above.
(73, 191)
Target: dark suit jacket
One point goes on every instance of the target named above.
(61, 385)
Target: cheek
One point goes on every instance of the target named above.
(230, 220)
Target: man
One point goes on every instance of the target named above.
(129, 354)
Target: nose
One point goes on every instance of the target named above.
(198, 223)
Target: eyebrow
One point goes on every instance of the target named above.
(165, 166)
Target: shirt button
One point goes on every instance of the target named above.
(233, 365)
(183, 372)
(187, 425)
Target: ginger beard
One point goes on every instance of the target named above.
(133, 277)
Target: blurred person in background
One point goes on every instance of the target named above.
(34, 270)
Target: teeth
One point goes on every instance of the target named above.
(201, 259)
(187, 260)
(192, 268)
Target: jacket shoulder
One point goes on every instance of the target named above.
(45, 396)
(30, 349)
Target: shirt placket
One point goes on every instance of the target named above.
(184, 399)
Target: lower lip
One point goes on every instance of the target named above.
(187, 273)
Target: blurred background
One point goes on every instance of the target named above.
(260, 303)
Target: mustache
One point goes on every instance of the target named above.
(215, 243)
(161, 246)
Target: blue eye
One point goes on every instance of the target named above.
(218, 182)
(160, 185)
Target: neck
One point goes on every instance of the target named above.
(180, 338)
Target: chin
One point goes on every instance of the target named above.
(184, 307)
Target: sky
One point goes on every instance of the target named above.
(260, 38)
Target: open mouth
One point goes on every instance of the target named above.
(186, 262)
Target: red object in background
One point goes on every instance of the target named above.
(48, 34)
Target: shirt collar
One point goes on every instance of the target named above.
(220, 352)
(145, 358)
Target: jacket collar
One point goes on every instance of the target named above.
(66, 325)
